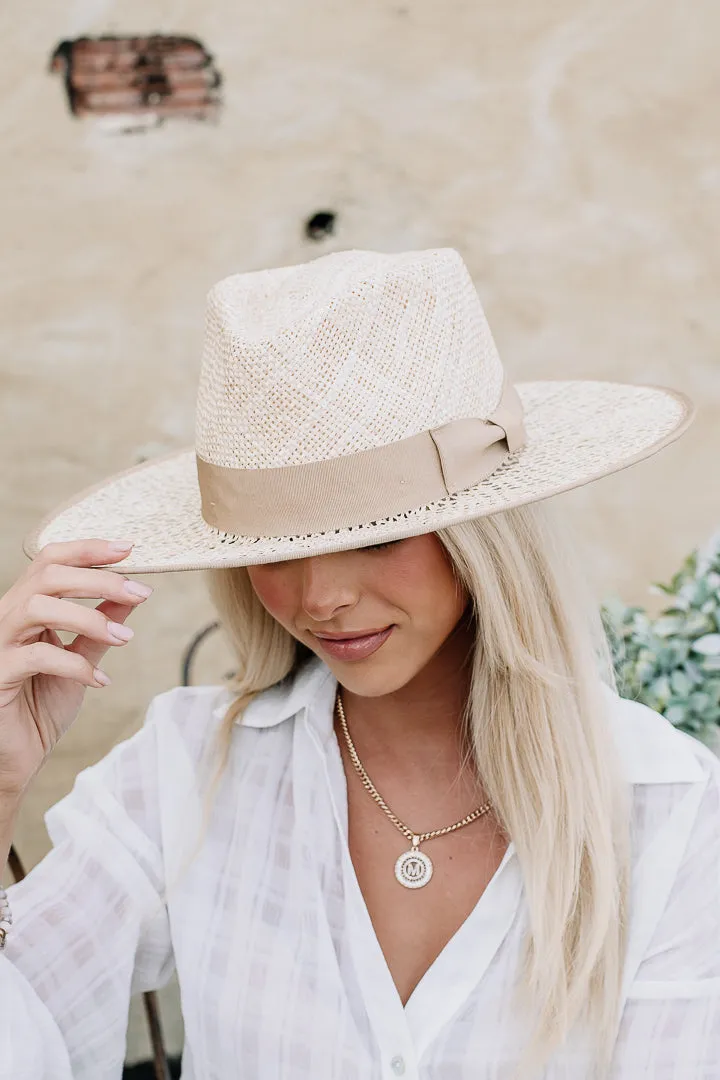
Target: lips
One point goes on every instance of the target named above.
(356, 648)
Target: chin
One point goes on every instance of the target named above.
(368, 680)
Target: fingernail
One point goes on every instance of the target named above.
(120, 632)
(137, 588)
(121, 545)
(101, 677)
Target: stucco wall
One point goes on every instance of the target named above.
(568, 151)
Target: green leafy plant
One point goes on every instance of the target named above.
(672, 662)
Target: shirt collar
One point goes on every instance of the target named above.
(651, 749)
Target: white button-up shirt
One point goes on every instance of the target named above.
(281, 974)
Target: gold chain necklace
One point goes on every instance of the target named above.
(413, 868)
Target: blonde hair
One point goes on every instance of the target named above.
(536, 720)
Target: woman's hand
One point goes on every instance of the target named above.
(42, 681)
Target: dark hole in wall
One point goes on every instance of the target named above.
(162, 75)
(320, 225)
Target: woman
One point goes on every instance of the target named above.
(418, 833)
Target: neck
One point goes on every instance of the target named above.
(425, 713)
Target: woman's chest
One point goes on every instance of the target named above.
(283, 974)
(414, 923)
(284, 979)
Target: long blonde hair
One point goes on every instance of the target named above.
(538, 730)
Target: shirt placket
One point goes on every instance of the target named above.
(382, 1002)
(457, 973)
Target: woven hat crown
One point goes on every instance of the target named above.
(348, 352)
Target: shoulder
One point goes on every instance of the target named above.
(676, 800)
(124, 792)
(652, 750)
(190, 714)
(676, 783)
(194, 717)
(676, 848)
(186, 705)
(184, 700)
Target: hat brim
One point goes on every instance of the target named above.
(577, 431)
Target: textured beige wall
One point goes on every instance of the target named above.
(568, 151)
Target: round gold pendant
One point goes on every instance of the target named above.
(413, 869)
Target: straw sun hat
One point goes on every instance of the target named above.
(350, 400)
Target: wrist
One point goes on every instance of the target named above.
(13, 790)
(9, 809)
(10, 802)
(5, 917)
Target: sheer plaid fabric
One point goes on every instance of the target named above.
(281, 975)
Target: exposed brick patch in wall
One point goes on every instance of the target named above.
(155, 76)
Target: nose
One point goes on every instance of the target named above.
(327, 588)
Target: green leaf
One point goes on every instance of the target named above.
(661, 689)
(658, 587)
(708, 645)
(667, 658)
(703, 592)
(644, 671)
(667, 626)
(680, 606)
(700, 702)
(698, 624)
(672, 663)
(680, 683)
(676, 714)
(694, 673)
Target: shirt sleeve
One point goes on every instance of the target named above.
(90, 923)
(670, 1027)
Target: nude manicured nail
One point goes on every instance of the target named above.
(101, 677)
(121, 545)
(136, 588)
(120, 632)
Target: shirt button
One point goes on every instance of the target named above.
(398, 1065)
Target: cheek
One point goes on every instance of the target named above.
(272, 591)
(437, 602)
(423, 585)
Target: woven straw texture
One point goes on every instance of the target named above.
(352, 351)
(345, 353)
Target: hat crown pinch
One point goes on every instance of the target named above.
(348, 352)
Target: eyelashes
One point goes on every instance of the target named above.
(379, 547)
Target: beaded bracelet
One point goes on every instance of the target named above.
(5, 917)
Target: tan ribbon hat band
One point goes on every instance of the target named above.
(339, 492)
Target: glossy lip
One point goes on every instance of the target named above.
(356, 648)
(350, 635)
